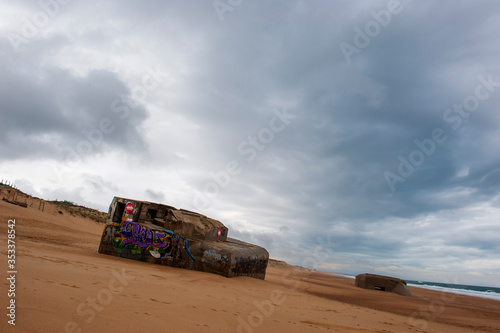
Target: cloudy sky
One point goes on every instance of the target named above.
(349, 136)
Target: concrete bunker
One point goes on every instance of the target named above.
(165, 235)
(382, 283)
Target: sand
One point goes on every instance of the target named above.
(64, 285)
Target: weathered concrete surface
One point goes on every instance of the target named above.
(168, 236)
(382, 283)
(194, 225)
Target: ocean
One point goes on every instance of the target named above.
(478, 291)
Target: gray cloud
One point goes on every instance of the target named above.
(47, 110)
(155, 196)
(323, 174)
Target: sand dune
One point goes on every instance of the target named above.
(64, 285)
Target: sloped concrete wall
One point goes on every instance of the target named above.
(382, 283)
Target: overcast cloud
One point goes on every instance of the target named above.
(351, 136)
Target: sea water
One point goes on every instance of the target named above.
(478, 291)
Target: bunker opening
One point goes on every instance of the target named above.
(120, 208)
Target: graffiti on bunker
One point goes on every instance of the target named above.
(164, 235)
(139, 239)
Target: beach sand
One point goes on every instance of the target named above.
(64, 285)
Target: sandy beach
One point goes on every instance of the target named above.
(63, 285)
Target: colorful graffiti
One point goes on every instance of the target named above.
(159, 244)
(133, 233)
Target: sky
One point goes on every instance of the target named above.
(346, 136)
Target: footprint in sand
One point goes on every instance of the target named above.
(155, 300)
